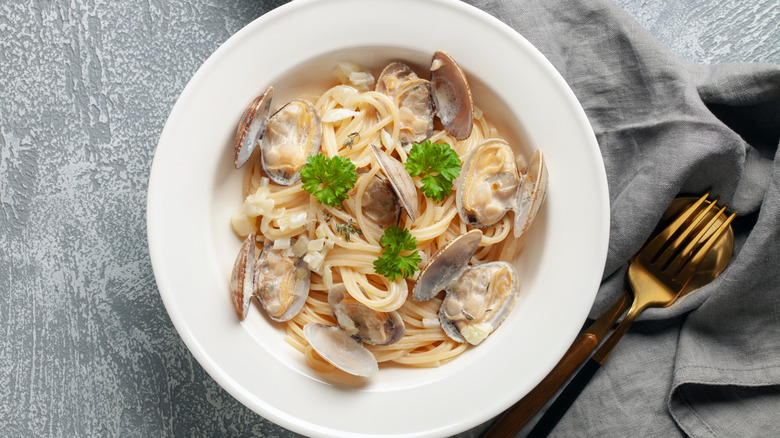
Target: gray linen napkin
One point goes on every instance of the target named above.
(710, 365)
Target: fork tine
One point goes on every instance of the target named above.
(659, 242)
(702, 243)
(695, 241)
(673, 245)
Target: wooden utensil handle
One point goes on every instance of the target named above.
(518, 415)
(564, 401)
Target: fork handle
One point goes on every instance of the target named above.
(565, 400)
(514, 418)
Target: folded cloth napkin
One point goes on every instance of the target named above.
(709, 366)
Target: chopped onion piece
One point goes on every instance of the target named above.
(242, 224)
(316, 245)
(282, 243)
(338, 114)
(301, 246)
(431, 322)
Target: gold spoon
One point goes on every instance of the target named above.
(716, 260)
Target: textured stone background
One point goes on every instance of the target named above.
(85, 88)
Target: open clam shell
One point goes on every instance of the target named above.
(242, 282)
(341, 349)
(281, 282)
(451, 96)
(446, 265)
(477, 298)
(413, 97)
(363, 323)
(400, 180)
(416, 111)
(292, 135)
(251, 127)
(531, 194)
(487, 185)
(392, 76)
(479, 301)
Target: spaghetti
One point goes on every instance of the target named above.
(351, 121)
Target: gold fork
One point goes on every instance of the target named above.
(657, 275)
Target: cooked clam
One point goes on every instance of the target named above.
(341, 349)
(487, 186)
(281, 282)
(533, 190)
(451, 96)
(363, 323)
(292, 134)
(392, 76)
(413, 96)
(477, 298)
(251, 127)
(479, 301)
(380, 204)
(400, 181)
(242, 282)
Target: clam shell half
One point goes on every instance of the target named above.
(531, 194)
(446, 265)
(251, 127)
(341, 349)
(451, 96)
(242, 282)
(400, 180)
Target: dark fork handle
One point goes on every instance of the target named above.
(564, 401)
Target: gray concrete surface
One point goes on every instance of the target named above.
(85, 87)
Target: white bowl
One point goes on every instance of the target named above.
(193, 190)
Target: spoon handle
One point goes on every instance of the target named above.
(514, 418)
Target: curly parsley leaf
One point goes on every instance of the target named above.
(437, 164)
(392, 263)
(328, 179)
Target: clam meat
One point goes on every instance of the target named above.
(281, 282)
(487, 186)
(292, 135)
(363, 323)
(479, 301)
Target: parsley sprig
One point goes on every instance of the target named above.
(392, 263)
(328, 179)
(438, 165)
